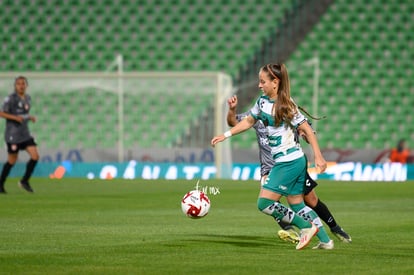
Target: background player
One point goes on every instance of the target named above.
(16, 108)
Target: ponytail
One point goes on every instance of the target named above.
(284, 81)
(309, 115)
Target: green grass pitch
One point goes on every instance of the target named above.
(77, 226)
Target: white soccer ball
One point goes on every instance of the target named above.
(195, 204)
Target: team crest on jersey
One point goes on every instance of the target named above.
(26, 107)
(262, 102)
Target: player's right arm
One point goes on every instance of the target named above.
(6, 113)
(8, 116)
(242, 126)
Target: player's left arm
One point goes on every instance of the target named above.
(302, 134)
(307, 130)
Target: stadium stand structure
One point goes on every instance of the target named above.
(366, 50)
(154, 35)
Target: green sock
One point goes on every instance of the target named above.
(308, 214)
(281, 212)
(323, 235)
(300, 222)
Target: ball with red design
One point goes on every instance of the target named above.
(195, 204)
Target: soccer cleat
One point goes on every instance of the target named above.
(289, 235)
(26, 186)
(306, 235)
(341, 234)
(329, 245)
(2, 190)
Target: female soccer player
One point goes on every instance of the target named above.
(16, 108)
(276, 109)
(287, 233)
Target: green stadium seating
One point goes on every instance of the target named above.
(152, 36)
(87, 35)
(365, 50)
(366, 53)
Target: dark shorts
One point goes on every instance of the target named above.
(14, 148)
(309, 184)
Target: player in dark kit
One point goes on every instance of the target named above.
(16, 108)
